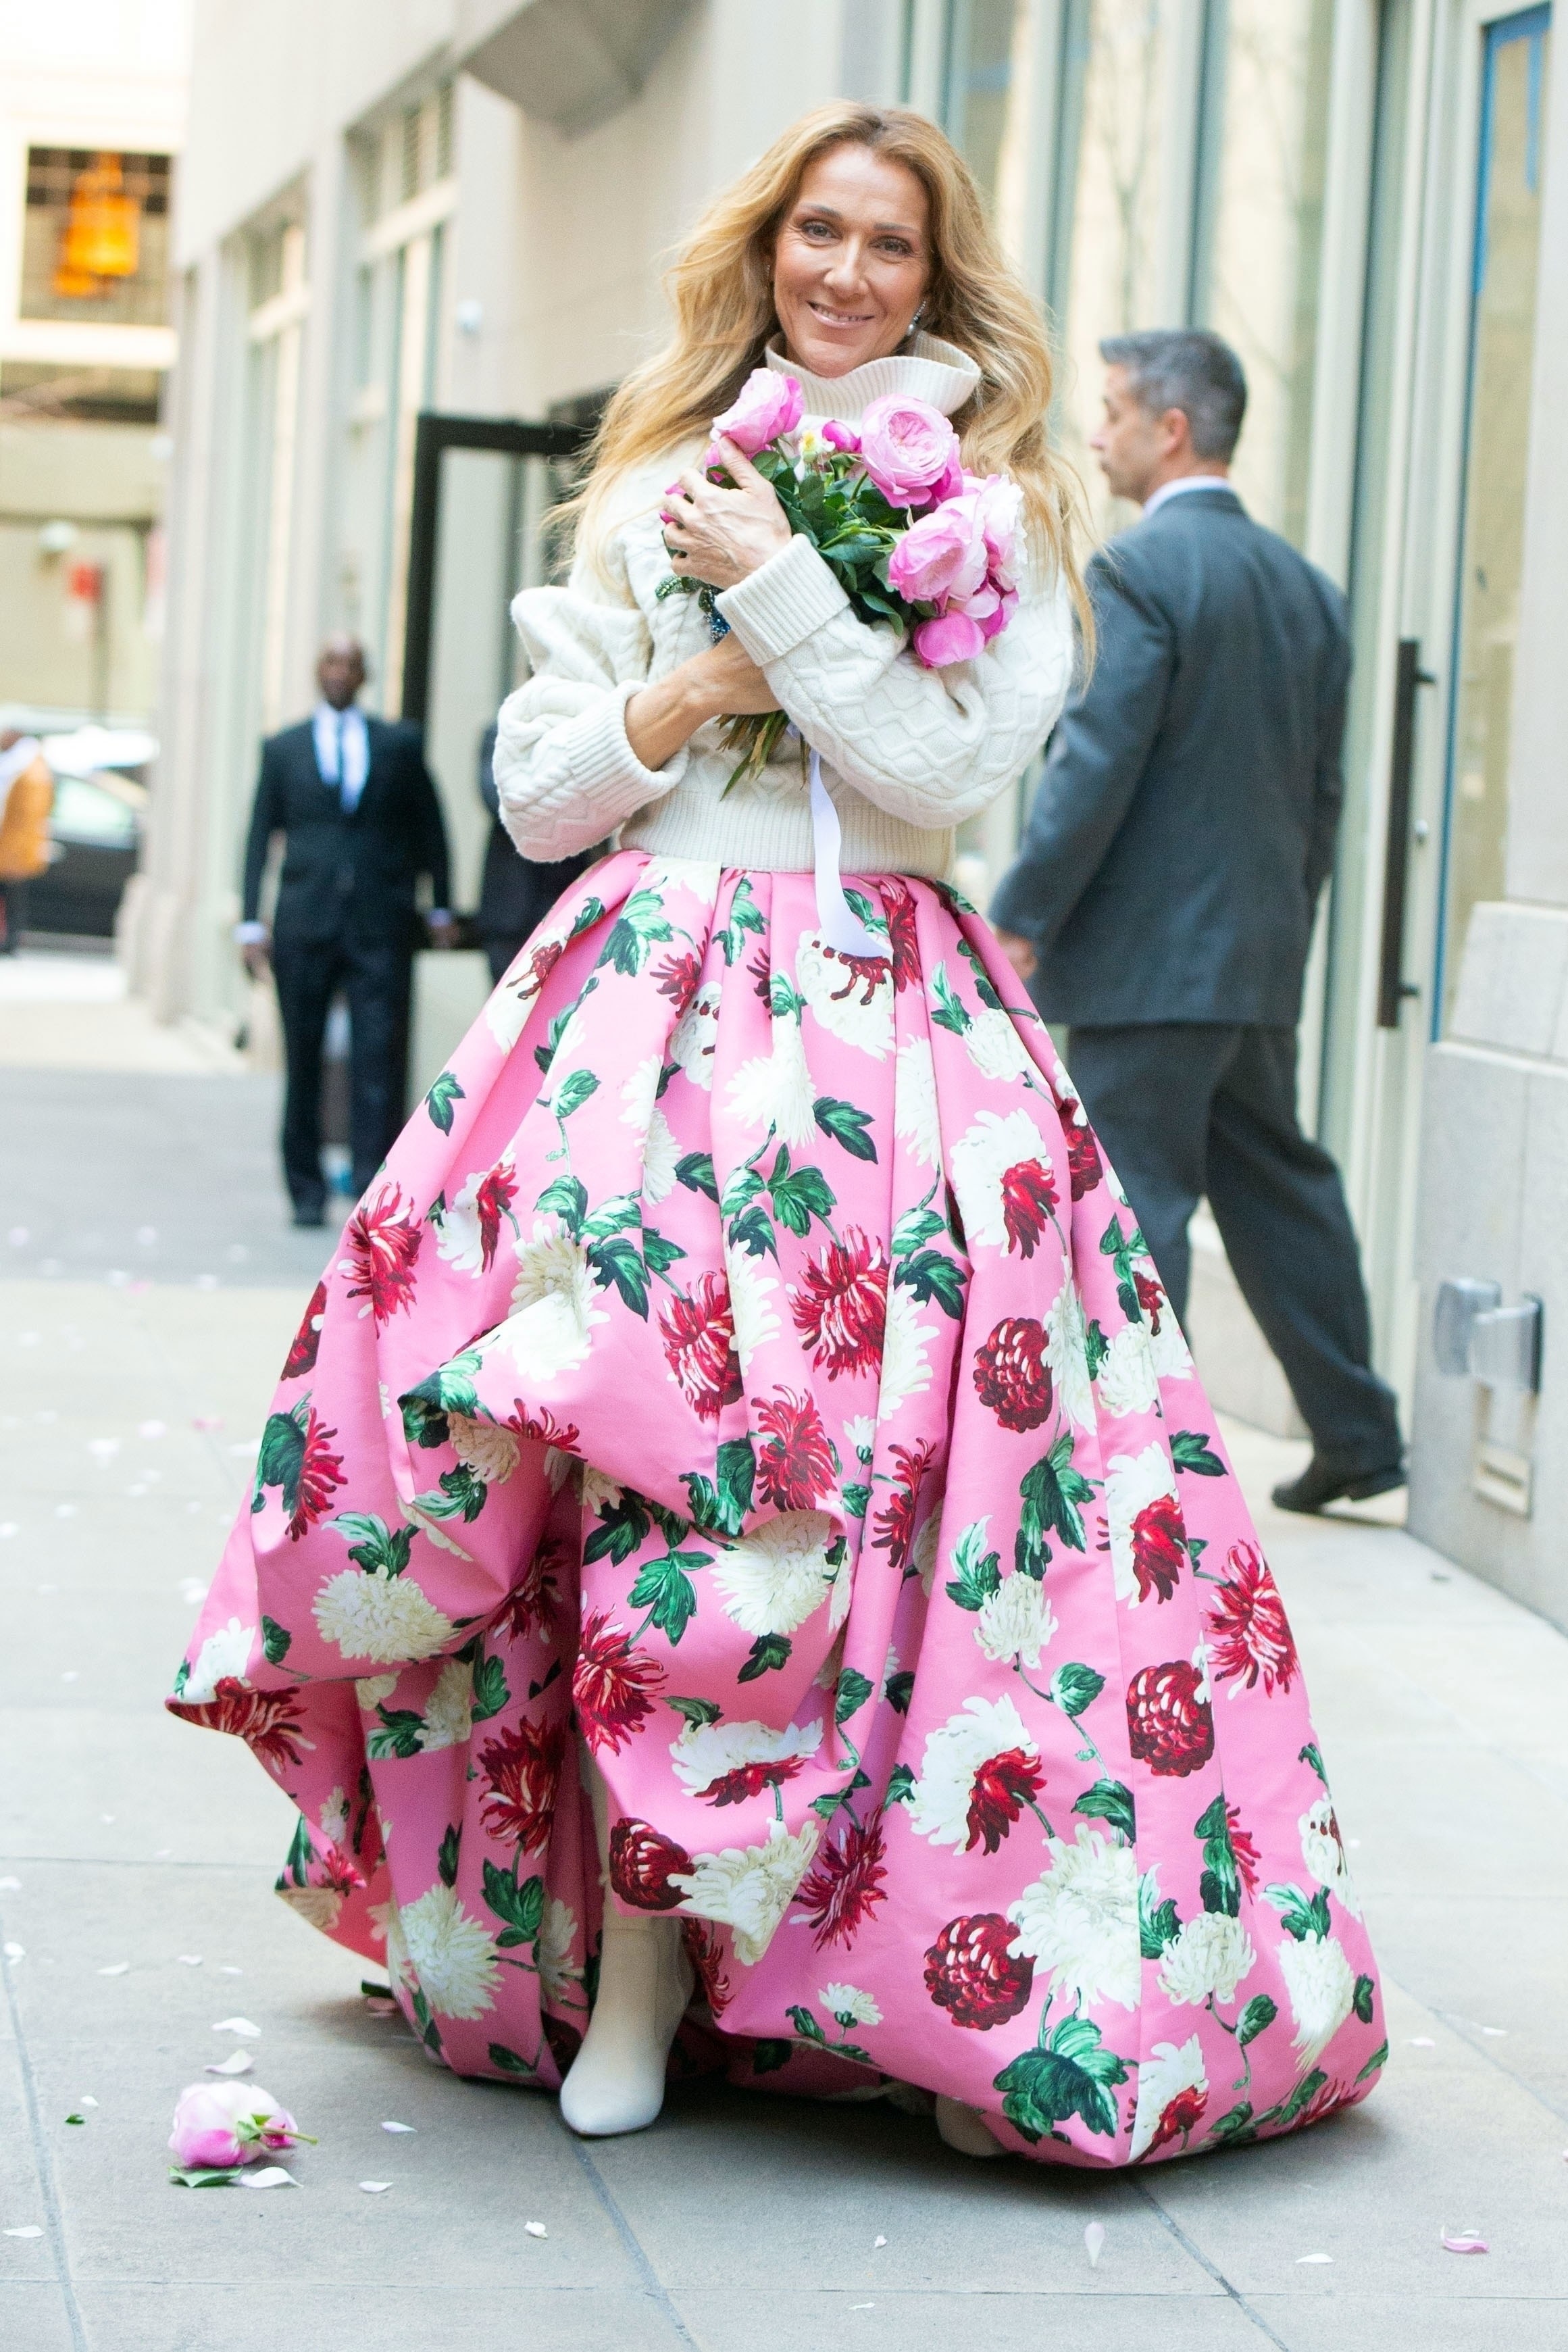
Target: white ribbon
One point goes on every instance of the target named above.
(840, 927)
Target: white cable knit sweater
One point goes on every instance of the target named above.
(907, 753)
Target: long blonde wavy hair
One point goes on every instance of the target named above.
(720, 287)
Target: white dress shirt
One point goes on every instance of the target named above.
(1186, 482)
(343, 750)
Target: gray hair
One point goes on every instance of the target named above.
(1189, 369)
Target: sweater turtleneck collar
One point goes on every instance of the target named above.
(927, 369)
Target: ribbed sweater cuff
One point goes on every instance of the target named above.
(780, 605)
(603, 757)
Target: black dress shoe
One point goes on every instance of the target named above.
(1320, 1482)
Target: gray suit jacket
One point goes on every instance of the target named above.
(1185, 821)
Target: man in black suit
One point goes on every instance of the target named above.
(1162, 900)
(516, 892)
(361, 823)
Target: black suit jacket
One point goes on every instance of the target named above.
(1185, 821)
(516, 892)
(347, 875)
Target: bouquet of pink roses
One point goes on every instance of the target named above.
(913, 538)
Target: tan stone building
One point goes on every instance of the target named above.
(457, 206)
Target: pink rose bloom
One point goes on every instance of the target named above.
(952, 638)
(841, 437)
(942, 554)
(955, 481)
(991, 607)
(1000, 505)
(220, 2126)
(769, 405)
(907, 447)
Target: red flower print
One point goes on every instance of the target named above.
(306, 1341)
(493, 1199)
(1328, 2098)
(1012, 1378)
(699, 1346)
(840, 1305)
(1170, 1724)
(865, 973)
(1159, 1547)
(844, 1886)
(761, 973)
(523, 1769)
(1028, 1196)
(1248, 1633)
(381, 1247)
(1153, 1301)
(267, 1721)
(533, 1599)
(744, 1781)
(971, 1974)
(1249, 1861)
(641, 1863)
(898, 906)
(1084, 1167)
(541, 1428)
(706, 1953)
(677, 978)
(609, 1686)
(543, 962)
(1179, 2117)
(1002, 1787)
(320, 1471)
(794, 1464)
(892, 1530)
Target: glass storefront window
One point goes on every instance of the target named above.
(1260, 231)
(985, 87)
(1503, 345)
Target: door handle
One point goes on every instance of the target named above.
(1392, 988)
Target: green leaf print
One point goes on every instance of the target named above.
(1158, 1923)
(754, 1233)
(398, 1731)
(1189, 1450)
(616, 1261)
(301, 1854)
(566, 1198)
(856, 1499)
(667, 1592)
(1300, 1916)
(622, 1526)
(949, 1012)
(446, 1854)
(737, 1467)
(439, 1101)
(695, 1171)
(1361, 1998)
(930, 1275)
(1235, 2126)
(641, 923)
(770, 1652)
(769, 2055)
(591, 911)
(799, 1194)
(900, 1785)
(1112, 1801)
(741, 1187)
(508, 2062)
(1309, 1755)
(1074, 2075)
(1219, 1888)
(806, 2025)
(1379, 2058)
(490, 1692)
(900, 1690)
(659, 1253)
(424, 1424)
(274, 1641)
(621, 1211)
(1050, 1494)
(522, 1907)
(573, 1092)
(696, 1711)
(1305, 2092)
(846, 1125)
(281, 1454)
(1096, 1348)
(979, 1572)
(852, 1693)
(916, 1225)
(1075, 1687)
(372, 1545)
(1255, 2019)
(745, 915)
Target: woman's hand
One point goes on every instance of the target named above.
(721, 536)
(721, 682)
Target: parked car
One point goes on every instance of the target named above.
(95, 833)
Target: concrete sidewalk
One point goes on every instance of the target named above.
(137, 1858)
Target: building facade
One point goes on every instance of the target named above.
(460, 206)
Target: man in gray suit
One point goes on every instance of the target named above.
(1162, 900)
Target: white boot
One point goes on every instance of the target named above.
(963, 2128)
(616, 2082)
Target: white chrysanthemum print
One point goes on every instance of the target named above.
(638, 1093)
(707, 1753)
(925, 1551)
(848, 2005)
(436, 1947)
(1067, 1353)
(222, 1657)
(661, 1157)
(1210, 1955)
(838, 997)
(1321, 1986)
(1322, 1852)
(1171, 2081)
(994, 1045)
(1168, 1350)
(484, 1447)
(693, 1038)
(334, 1816)
(1001, 1172)
(860, 1435)
(1132, 1482)
(367, 1613)
(1016, 1623)
(508, 1006)
(1081, 1920)
(939, 1807)
(552, 1953)
(459, 1237)
(595, 1491)
(905, 1368)
(774, 1090)
(753, 1320)
(1125, 1380)
(449, 1709)
(915, 1116)
(554, 1305)
(778, 1576)
(373, 1689)
(749, 1889)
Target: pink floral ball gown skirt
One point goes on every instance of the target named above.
(747, 1363)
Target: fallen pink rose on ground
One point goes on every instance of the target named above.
(218, 2126)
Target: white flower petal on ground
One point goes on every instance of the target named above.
(692, 1039)
(982, 1157)
(1322, 1852)
(438, 1949)
(661, 1157)
(449, 1709)
(1067, 1353)
(776, 1091)
(837, 997)
(1212, 1954)
(915, 1116)
(753, 1320)
(484, 1447)
(1125, 1380)
(1016, 1623)
(1081, 1920)
(707, 1753)
(1134, 1481)
(778, 1576)
(994, 1045)
(367, 1614)
(749, 1889)
(905, 1368)
(1169, 2073)
(553, 1307)
(1321, 1986)
(841, 2000)
(222, 1656)
(552, 1953)
(939, 1806)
